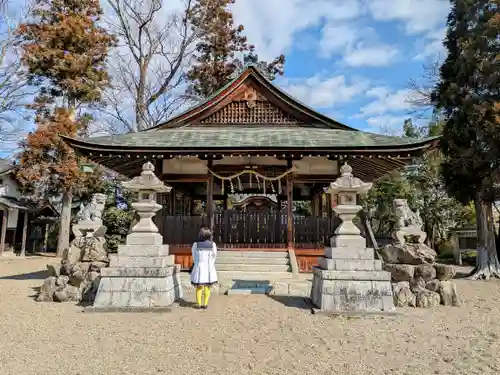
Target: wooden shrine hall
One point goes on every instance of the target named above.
(250, 138)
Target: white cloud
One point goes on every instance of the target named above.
(356, 46)
(431, 45)
(324, 92)
(272, 25)
(386, 101)
(386, 124)
(419, 15)
(371, 55)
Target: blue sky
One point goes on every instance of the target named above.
(350, 59)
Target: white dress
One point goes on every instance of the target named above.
(203, 272)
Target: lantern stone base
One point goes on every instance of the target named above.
(350, 279)
(139, 276)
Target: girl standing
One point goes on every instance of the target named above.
(203, 274)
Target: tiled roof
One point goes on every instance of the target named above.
(238, 137)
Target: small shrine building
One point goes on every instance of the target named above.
(250, 137)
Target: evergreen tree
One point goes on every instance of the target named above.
(64, 51)
(221, 43)
(468, 96)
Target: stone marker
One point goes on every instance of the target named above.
(349, 278)
(142, 275)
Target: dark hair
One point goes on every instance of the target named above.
(205, 235)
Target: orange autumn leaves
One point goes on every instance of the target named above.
(65, 53)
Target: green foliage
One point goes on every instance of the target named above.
(425, 191)
(379, 200)
(218, 49)
(117, 215)
(302, 208)
(468, 94)
(117, 221)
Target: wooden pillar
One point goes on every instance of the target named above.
(5, 219)
(25, 234)
(289, 207)
(329, 208)
(210, 197)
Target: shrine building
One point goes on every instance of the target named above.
(251, 140)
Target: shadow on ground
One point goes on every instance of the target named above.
(189, 304)
(38, 275)
(292, 301)
(36, 290)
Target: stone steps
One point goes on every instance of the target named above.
(252, 265)
(259, 267)
(251, 260)
(252, 254)
(253, 275)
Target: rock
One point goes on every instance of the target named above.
(62, 281)
(61, 296)
(90, 286)
(410, 253)
(448, 293)
(54, 270)
(95, 251)
(427, 298)
(69, 293)
(417, 284)
(80, 270)
(73, 254)
(445, 271)
(93, 275)
(433, 285)
(400, 272)
(426, 271)
(48, 289)
(402, 294)
(66, 267)
(96, 266)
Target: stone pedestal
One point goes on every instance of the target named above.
(351, 279)
(142, 275)
(348, 278)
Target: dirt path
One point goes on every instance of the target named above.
(242, 335)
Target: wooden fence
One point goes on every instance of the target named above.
(248, 229)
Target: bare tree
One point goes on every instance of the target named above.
(13, 89)
(421, 89)
(148, 67)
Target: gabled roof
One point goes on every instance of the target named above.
(252, 76)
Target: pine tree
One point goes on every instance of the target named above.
(218, 50)
(468, 94)
(64, 51)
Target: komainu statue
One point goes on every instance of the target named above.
(408, 224)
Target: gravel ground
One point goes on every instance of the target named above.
(242, 335)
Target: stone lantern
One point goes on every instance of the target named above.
(348, 277)
(147, 185)
(347, 188)
(142, 276)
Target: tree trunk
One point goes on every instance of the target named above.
(65, 224)
(487, 265)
